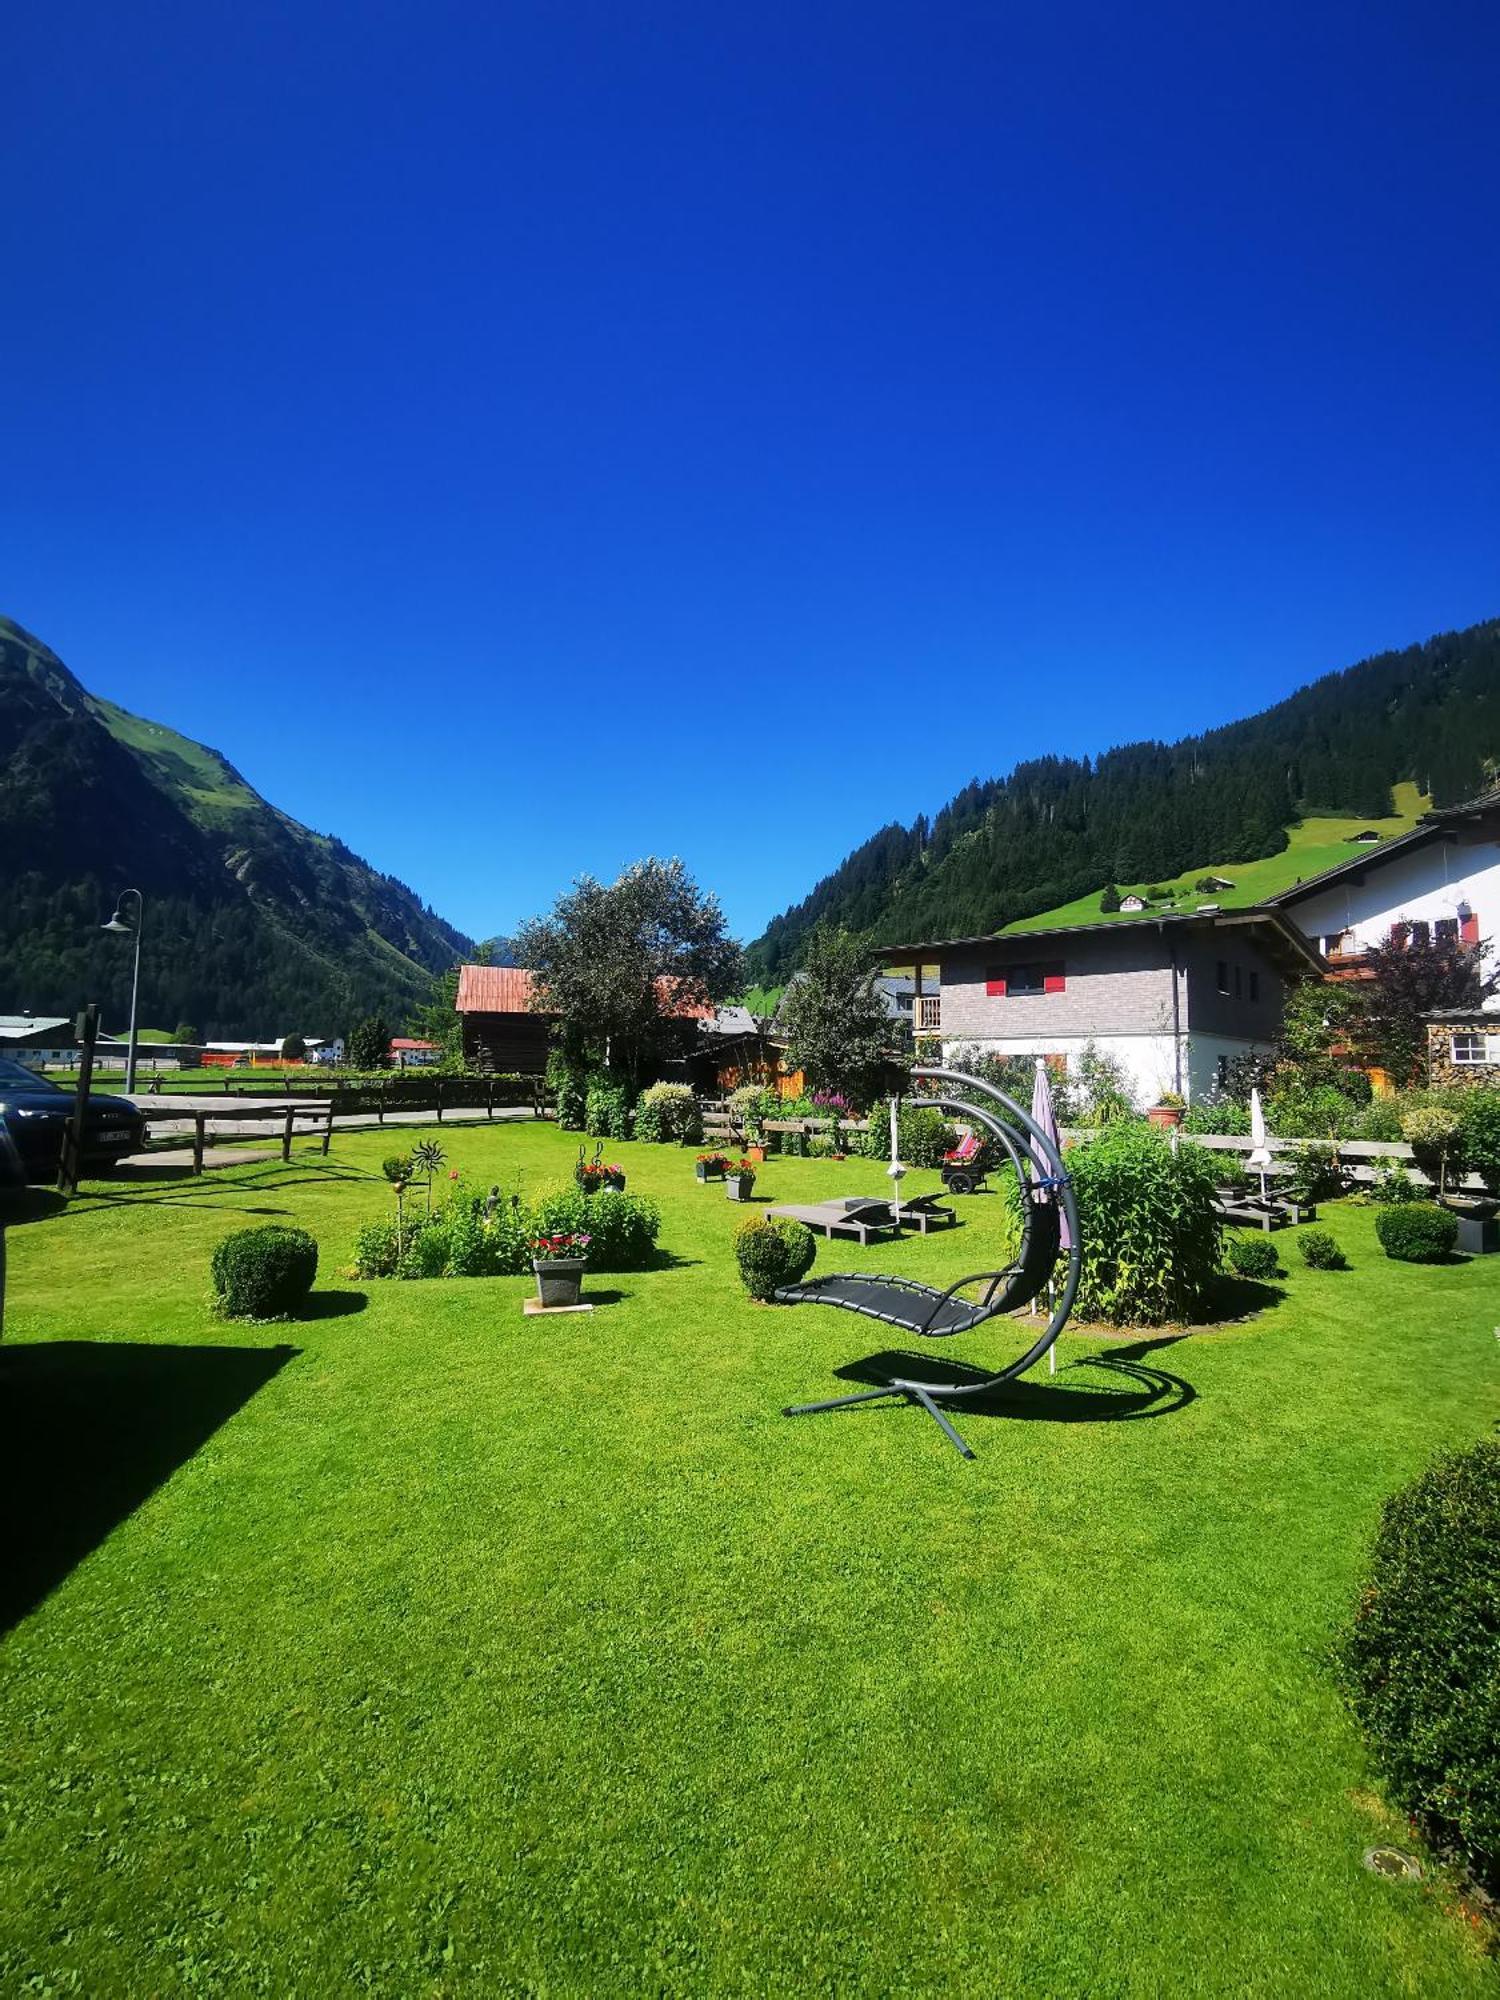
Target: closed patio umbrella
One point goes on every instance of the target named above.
(895, 1170)
(1260, 1151)
(1044, 1114)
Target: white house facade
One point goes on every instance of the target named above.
(1442, 879)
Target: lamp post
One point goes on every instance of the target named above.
(121, 928)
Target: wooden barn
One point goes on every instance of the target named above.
(501, 1032)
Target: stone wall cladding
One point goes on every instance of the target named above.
(1118, 983)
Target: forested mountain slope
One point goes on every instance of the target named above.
(255, 924)
(1059, 828)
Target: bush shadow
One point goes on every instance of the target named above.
(1231, 1297)
(89, 1429)
(333, 1305)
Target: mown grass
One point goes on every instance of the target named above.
(423, 1648)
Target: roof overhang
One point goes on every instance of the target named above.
(1283, 943)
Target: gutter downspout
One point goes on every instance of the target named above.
(1176, 1023)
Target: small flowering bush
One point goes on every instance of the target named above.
(740, 1170)
(490, 1235)
(668, 1115)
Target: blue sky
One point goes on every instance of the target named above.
(525, 438)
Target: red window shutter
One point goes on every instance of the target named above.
(1053, 980)
(1400, 934)
(1468, 929)
(994, 986)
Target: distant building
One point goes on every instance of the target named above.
(38, 1038)
(1132, 905)
(407, 1052)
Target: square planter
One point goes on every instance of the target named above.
(615, 1181)
(1478, 1235)
(559, 1279)
(738, 1187)
(706, 1173)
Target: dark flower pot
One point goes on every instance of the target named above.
(559, 1279)
(702, 1170)
(615, 1181)
(738, 1187)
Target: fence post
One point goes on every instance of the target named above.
(328, 1128)
(286, 1135)
(200, 1120)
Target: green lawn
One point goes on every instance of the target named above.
(421, 1648)
(1312, 845)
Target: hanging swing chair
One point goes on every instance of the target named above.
(926, 1313)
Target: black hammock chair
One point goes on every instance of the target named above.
(929, 1314)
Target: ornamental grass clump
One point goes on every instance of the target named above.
(1148, 1226)
(263, 1273)
(1420, 1663)
(772, 1251)
(1417, 1232)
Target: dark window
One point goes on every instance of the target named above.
(1255, 986)
(1447, 930)
(1223, 975)
(1238, 983)
(1421, 934)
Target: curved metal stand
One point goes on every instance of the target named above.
(1023, 1148)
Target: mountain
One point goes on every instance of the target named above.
(1060, 828)
(254, 925)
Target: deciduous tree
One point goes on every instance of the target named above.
(838, 1030)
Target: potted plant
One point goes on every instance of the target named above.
(739, 1179)
(614, 1177)
(711, 1166)
(1168, 1109)
(590, 1176)
(558, 1262)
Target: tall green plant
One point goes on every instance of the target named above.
(1149, 1226)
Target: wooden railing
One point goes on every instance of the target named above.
(320, 1117)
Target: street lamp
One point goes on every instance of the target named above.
(121, 928)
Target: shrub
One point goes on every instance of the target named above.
(1420, 1664)
(1314, 1175)
(375, 1251)
(1320, 1252)
(923, 1136)
(624, 1227)
(668, 1116)
(773, 1251)
(1417, 1232)
(606, 1113)
(1148, 1225)
(1479, 1136)
(819, 1145)
(263, 1273)
(1253, 1256)
(568, 1086)
(1393, 1184)
(1230, 1120)
(1324, 1112)
(397, 1168)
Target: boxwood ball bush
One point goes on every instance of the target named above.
(773, 1250)
(1253, 1256)
(1320, 1252)
(263, 1273)
(1420, 1664)
(1417, 1232)
(1150, 1233)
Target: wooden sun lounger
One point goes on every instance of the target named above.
(850, 1216)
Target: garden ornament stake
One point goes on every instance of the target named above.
(1049, 1232)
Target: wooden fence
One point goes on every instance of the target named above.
(315, 1120)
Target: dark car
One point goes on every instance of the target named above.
(34, 1112)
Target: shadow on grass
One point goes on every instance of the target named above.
(1233, 1298)
(89, 1429)
(1133, 1390)
(333, 1305)
(32, 1204)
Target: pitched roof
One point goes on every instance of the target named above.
(507, 989)
(493, 989)
(1279, 930)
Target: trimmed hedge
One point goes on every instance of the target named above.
(773, 1250)
(263, 1273)
(1420, 1664)
(1417, 1232)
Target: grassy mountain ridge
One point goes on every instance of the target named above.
(1056, 829)
(256, 924)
